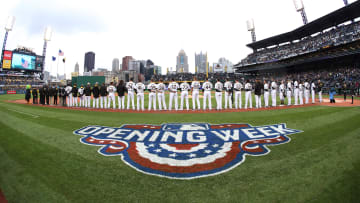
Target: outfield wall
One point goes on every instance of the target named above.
(83, 80)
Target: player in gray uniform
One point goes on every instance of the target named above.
(152, 95)
(238, 99)
(185, 87)
(195, 88)
(161, 95)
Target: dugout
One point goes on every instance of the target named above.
(83, 80)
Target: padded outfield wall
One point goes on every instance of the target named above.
(83, 80)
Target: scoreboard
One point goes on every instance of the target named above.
(17, 61)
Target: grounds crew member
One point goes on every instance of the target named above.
(248, 97)
(161, 95)
(207, 87)
(218, 94)
(130, 86)
(35, 95)
(121, 89)
(69, 98)
(258, 89)
(266, 93)
(228, 93)
(140, 87)
(238, 99)
(185, 87)
(87, 92)
(74, 92)
(195, 88)
(96, 94)
(173, 88)
(111, 91)
(81, 96)
(152, 95)
(103, 94)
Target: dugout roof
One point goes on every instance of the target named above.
(337, 17)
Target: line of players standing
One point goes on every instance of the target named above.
(104, 96)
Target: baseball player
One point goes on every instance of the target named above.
(152, 95)
(185, 87)
(82, 96)
(228, 93)
(96, 93)
(273, 93)
(301, 93)
(218, 94)
(207, 87)
(248, 98)
(74, 92)
(111, 90)
(282, 93)
(195, 88)
(161, 95)
(307, 92)
(130, 86)
(288, 92)
(313, 87)
(238, 99)
(173, 88)
(296, 92)
(140, 87)
(266, 94)
(103, 98)
(320, 86)
(258, 89)
(87, 95)
(68, 90)
(121, 89)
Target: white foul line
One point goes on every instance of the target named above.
(32, 115)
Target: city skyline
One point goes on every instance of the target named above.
(85, 28)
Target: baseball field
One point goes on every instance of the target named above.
(42, 160)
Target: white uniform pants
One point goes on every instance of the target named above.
(111, 98)
(238, 100)
(273, 97)
(281, 96)
(82, 101)
(258, 101)
(296, 96)
(228, 100)
(301, 97)
(87, 101)
(184, 95)
(161, 101)
(313, 96)
(218, 97)
(173, 97)
(69, 100)
(307, 96)
(266, 98)
(75, 101)
(121, 101)
(140, 99)
(195, 99)
(131, 97)
(320, 96)
(103, 103)
(96, 101)
(207, 96)
(289, 97)
(248, 99)
(152, 100)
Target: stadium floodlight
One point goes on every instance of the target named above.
(47, 34)
(8, 27)
(47, 37)
(251, 28)
(299, 5)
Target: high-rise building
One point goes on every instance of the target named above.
(125, 62)
(182, 65)
(89, 63)
(228, 66)
(115, 65)
(76, 67)
(134, 65)
(200, 62)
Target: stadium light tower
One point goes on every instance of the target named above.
(251, 28)
(8, 27)
(299, 6)
(47, 37)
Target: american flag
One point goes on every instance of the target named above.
(24, 63)
(61, 53)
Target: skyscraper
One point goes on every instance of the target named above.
(115, 65)
(182, 65)
(76, 67)
(89, 63)
(200, 62)
(125, 62)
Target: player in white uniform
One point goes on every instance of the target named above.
(313, 87)
(296, 92)
(238, 99)
(130, 86)
(81, 96)
(161, 95)
(282, 93)
(218, 94)
(195, 88)
(111, 97)
(207, 87)
(288, 92)
(266, 93)
(301, 93)
(228, 93)
(173, 88)
(140, 87)
(185, 87)
(273, 93)
(248, 97)
(307, 92)
(152, 95)
(320, 85)
(69, 99)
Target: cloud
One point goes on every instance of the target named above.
(35, 15)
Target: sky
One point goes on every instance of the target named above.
(144, 29)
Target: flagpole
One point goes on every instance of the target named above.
(57, 68)
(64, 71)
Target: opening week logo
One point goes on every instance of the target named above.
(185, 151)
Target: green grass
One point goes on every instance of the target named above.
(41, 160)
